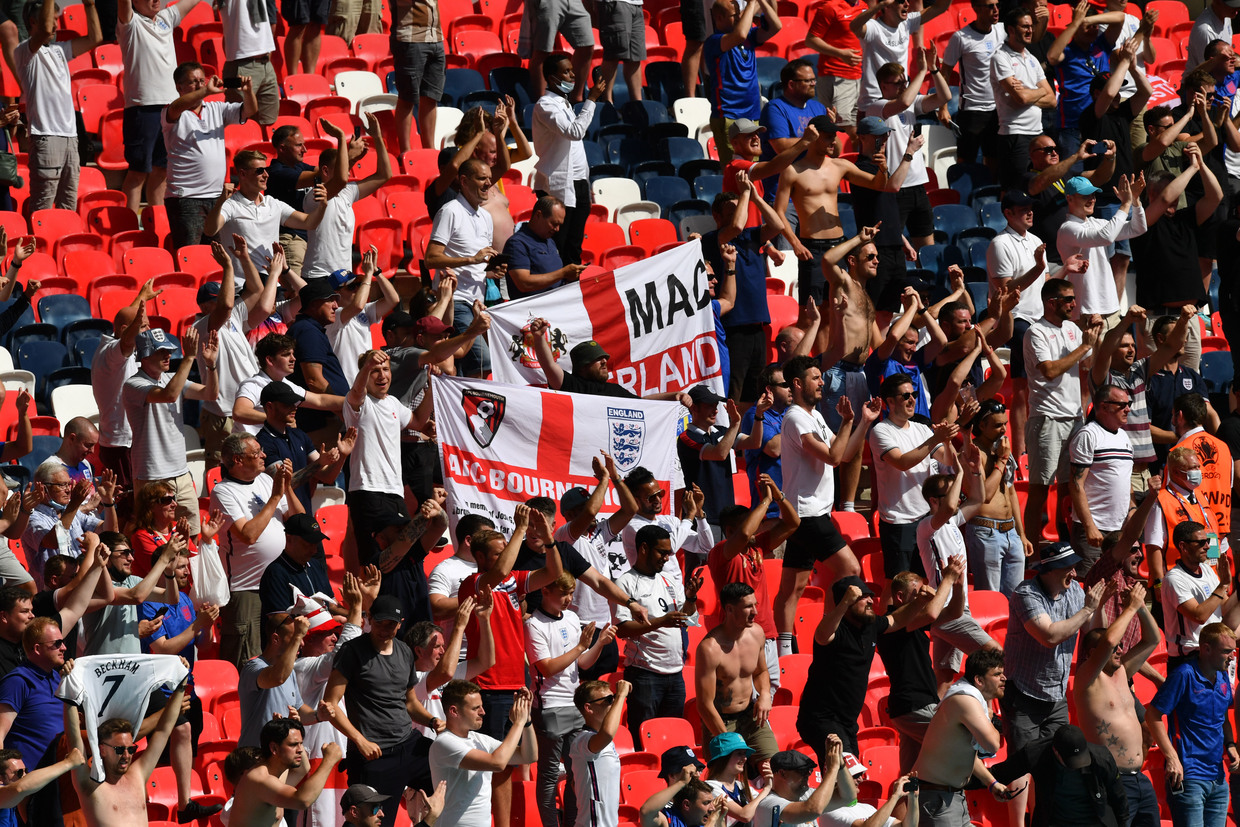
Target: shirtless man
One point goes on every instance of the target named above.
(995, 537)
(276, 784)
(730, 667)
(120, 799)
(1104, 701)
(960, 732)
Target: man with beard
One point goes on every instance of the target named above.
(276, 784)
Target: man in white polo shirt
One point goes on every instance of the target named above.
(884, 32)
(246, 210)
(461, 238)
(1021, 93)
(42, 64)
(114, 363)
(194, 138)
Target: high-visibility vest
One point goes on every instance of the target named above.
(1217, 473)
(1175, 510)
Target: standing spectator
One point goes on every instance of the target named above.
(304, 40)
(561, 169)
(281, 440)
(1191, 415)
(1176, 379)
(1198, 696)
(1196, 591)
(996, 539)
(1046, 179)
(1076, 55)
(276, 362)
(761, 446)
(788, 116)
(374, 675)
(1177, 502)
(731, 65)
(970, 52)
(461, 239)
(469, 759)
(153, 399)
(884, 31)
(300, 566)
(1211, 24)
(416, 42)
(276, 777)
(534, 263)
(116, 627)
(705, 449)
(905, 454)
(807, 450)
(538, 38)
(1101, 457)
(622, 30)
(690, 533)
(268, 687)
(31, 716)
(16, 612)
(1021, 93)
(255, 505)
(113, 365)
(44, 77)
(145, 32)
(446, 578)
(350, 333)
(348, 18)
(316, 367)
(594, 762)
(249, 40)
(655, 650)
(193, 132)
(246, 210)
(1054, 348)
(839, 61)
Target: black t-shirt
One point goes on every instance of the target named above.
(1229, 432)
(1113, 126)
(282, 184)
(1161, 391)
(871, 206)
(376, 691)
(713, 475)
(530, 560)
(1050, 208)
(1229, 263)
(1167, 272)
(840, 672)
(906, 655)
(575, 384)
(11, 653)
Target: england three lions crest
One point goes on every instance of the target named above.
(626, 430)
(484, 411)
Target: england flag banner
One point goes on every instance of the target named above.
(653, 317)
(503, 444)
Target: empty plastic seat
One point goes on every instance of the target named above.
(659, 734)
(1216, 369)
(357, 86)
(41, 359)
(53, 224)
(147, 262)
(111, 220)
(681, 150)
(62, 310)
(652, 233)
(667, 190)
(952, 219)
(306, 88)
(614, 193)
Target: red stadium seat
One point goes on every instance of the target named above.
(147, 262)
(473, 44)
(122, 242)
(96, 101)
(112, 157)
(659, 734)
(371, 47)
(599, 238)
(783, 721)
(306, 88)
(109, 220)
(213, 678)
(83, 266)
(650, 233)
(196, 259)
(387, 235)
(793, 672)
(987, 605)
(334, 521)
(808, 616)
(54, 224)
(162, 786)
(636, 787)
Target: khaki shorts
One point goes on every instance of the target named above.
(1046, 440)
(760, 739)
(294, 251)
(951, 641)
(843, 94)
(214, 429)
(187, 498)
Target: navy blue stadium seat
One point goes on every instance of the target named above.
(664, 82)
(964, 178)
(595, 153)
(953, 219)
(973, 250)
(1216, 369)
(848, 221)
(62, 310)
(991, 216)
(644, 113)
(41, 359)
(978, 292)
(84, 351)
(654, 134)
(514, 81)
(681, 150)
(938, 257)
(27, 317)
(985, 195)
(706, 187)
(485, 98)
(83, 329)
(33, 333)
(684, 209)
(44, 447)
(690, 170)
(627, 152)
(768, 74)
(666, 190)
(457, 83)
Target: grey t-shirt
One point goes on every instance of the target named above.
(113, 630)
(158, 451)
(375, 695)
(258, 706)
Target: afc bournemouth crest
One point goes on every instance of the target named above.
(626, 430)
(484, 411)
(522, 347)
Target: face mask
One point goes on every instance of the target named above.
(1193, 478)
(563, 87)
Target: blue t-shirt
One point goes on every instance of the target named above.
(732, 84)
(40, 714)
(721, 334)
(750, 306)
(526, 251)
(756, 460)
(176, 620)
(876, 370)
(783, 119)
(1197, 707)
(294, 444)
(282, 184)
(713, 475)
(312, 346)
(1074, 74)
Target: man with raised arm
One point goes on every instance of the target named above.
(595, 768)
(791, 801)
(1103, 696)
(282, 780)
(120, 799)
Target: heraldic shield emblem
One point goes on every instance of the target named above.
(626, 429)
(484, 411)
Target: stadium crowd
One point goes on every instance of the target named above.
(903, 582)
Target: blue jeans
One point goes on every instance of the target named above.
(1199, 803)
(654, 695)
(996, 558)
(478, 361)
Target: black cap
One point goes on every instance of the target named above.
(360, 794)
(1015, 198)
(210, 291)
(1057, 556)
(315, 290)
(702, 394)
(825, 126)
(386, 607)
(397, 318)
(586, 353)
(305, 527)
(790, 759)
(279, 391)
(672, 761)
(840, 586)
(573, 499)
(1070, 744)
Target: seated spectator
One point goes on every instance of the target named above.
(57, 524)
(726, 759)
(534, 264)
(16, 612)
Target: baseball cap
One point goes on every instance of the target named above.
(702, 395)
(305, 527)
(790, 759)
(824, 125)
(430, 326)
(342, 278)
(316, 290)
(1015, 198)
(1079, 185)
(360, 794)
(1069, 742)
(726, 743)
(311, 608)
(152, 340)
(1056, 556)
(280, 392)
(673, 760)
(872, 126)
(744, 126)
(573, 499)
(209, 291)
(587, 352)
(386, 607)
(853, 764)
(840, 586)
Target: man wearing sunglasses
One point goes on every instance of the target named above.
(595, 763)
(1100, 486)
(1049, 169)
